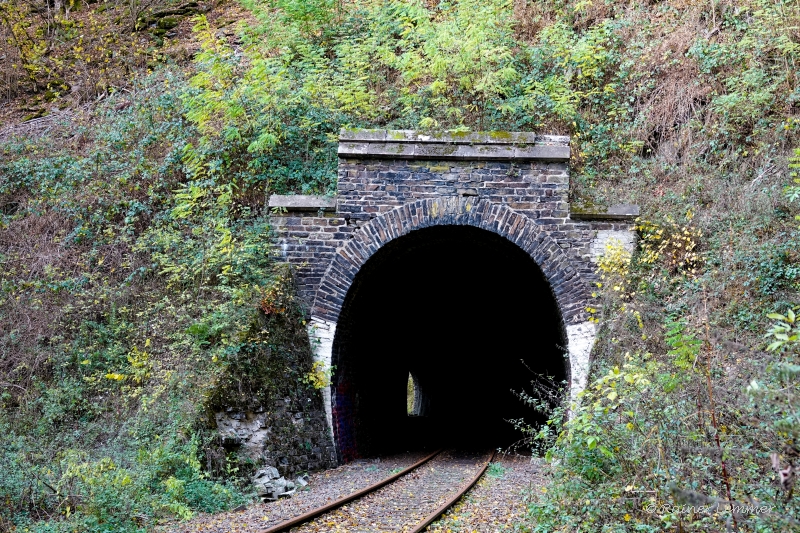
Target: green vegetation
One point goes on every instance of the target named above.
(681, 426)
(496, 470)
(67, 53)
(131, 295)
(135, 267)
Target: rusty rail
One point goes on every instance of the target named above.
(446, 505)
(305, 517)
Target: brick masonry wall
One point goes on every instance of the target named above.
(369, 188)
(308, 240)
(389, 183)
(537, 189)
(569, 289)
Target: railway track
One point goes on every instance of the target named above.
(408, 501)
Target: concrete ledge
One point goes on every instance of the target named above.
(408, 144)
(615, 212)
(302, 202)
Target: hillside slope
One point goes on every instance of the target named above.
(135, 264)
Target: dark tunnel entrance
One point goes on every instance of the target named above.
(462, 312)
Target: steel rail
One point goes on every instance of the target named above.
(445, 506)
(305, 517)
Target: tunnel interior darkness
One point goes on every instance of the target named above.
(466, 313)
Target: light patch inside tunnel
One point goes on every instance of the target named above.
(464, 312)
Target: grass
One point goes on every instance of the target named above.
(496, 470)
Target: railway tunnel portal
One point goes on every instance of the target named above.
(453, 261)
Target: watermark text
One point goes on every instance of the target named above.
(684, 509)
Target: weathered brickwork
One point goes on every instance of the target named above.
(568, 288)
(308, 240)
(373, 186)
(536, 189)
(391, 183)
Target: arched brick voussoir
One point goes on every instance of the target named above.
(569, 289)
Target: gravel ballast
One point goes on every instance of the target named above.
(498, 502)
(323, 487)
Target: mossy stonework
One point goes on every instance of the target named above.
(392, 183)
(263, 406)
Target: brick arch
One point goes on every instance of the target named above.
(570, 291)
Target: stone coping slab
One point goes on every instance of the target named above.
(302, 202)
(409, 144)
(474, 137)
(615, 212)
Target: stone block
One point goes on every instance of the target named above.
(301, 202)
(615, 212)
